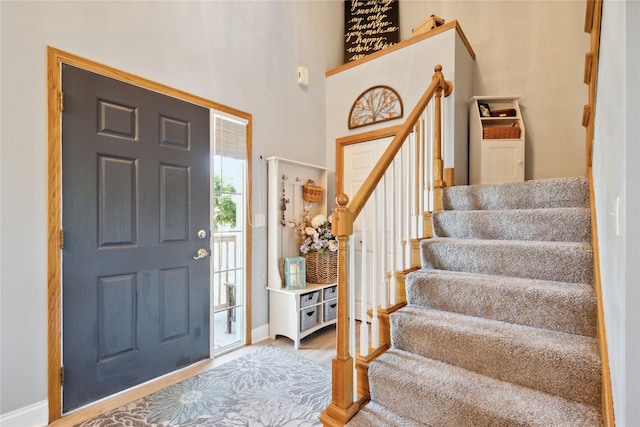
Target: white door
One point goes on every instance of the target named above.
(359, 160)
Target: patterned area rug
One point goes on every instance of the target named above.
(268, 387)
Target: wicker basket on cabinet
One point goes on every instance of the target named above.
(321, 267)
(501, 132)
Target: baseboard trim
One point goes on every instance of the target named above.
(260, 333)
(34, 415)
(37, 414)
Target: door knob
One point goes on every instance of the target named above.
(201, 253)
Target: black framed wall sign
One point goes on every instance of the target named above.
(369, 26)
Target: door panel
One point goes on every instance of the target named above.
(135, 192)
(174, 203)
(502, 160)
(118, 193)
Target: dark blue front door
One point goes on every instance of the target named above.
(135, 194)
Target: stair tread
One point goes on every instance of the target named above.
(557, 210)
(562, 306)
(493, 279)
(446, 395)
(566, 364)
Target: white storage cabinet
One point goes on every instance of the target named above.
(494, 160)
(294, 313)
(298, 313)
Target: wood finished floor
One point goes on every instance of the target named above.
(318, 347)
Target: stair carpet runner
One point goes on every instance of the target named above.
(500, 326)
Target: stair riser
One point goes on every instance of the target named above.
(549, 193)
(558, 262)
(426, 403)
(560, 307)
(571, 371)
(374, 415)
(553, 225)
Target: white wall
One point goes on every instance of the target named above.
(616, 175)
(409, 72)
(241, 54)
(534, 49)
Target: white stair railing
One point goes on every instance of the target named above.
(390, 219)
(389, 207)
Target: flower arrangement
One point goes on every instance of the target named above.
(314, 234)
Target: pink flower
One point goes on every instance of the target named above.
(314, 235)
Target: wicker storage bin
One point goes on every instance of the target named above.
(501, 132)
(321, 268)
(311, 192)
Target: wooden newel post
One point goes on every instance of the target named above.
(342, 406)
(342, 228)
(438, 162)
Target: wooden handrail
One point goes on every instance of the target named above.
(343, 406)
(438, 85)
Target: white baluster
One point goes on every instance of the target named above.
(401, 205)
(364, 325)
(415, 176)
(394, 234)
(420, 192)
(384, 299)
(375, 326)
(410, 199)
(406, 208)
(414, 180)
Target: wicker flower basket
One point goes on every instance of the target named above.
(311, 192)
(321, 268)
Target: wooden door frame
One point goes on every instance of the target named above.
(357, 139)
(55, 239)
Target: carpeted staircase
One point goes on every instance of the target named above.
(500, 324)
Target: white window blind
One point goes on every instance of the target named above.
(231, 138)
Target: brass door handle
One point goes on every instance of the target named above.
(202, 253)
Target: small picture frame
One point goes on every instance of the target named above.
(484, 109)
